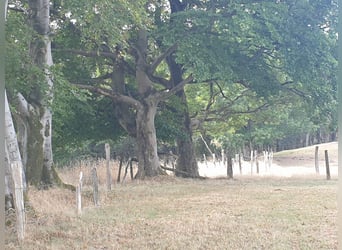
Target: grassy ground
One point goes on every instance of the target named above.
(306, 156)
(171, 213)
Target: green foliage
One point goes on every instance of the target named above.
(264, 70)
(21, 73)
(108, 22)
(169, 121)
(80, 119)
(276, 50)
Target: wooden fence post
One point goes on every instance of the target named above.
(131, 169)
(205, 160)
(95, 186)
(256, 161)
(327, 164)
(17, 176)
(316, 160)
(265, 159)
(79, 195)
(229, 166)
(270, 159)
(252, 161)
(240, 164)
(119, 171)
(109, 177)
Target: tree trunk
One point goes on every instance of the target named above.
(146, 109)
(35, 115)
(307, 139)
(187, 160)
(123, 111)
(146, 139)
(12, 155)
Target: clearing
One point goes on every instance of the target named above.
(250, 212)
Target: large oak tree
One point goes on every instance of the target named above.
(259, 45)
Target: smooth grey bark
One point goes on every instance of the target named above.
(12, 155)
(34, 117)
(41, 50)
(8, 195)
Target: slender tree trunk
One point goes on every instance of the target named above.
(12, 155)
(35, 118)
(307, 139)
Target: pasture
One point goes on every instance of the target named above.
(247, 212)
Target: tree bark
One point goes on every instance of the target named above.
(146, 139)
(35, 116)
(123, 111)
(12, 155)
(186, 161)
(145, 113)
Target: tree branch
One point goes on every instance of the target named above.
(297, 92)
(160, 58)
(168, 92)
(181, 172)
(18, 9)
(287, 82)
(109, 93)
(160, 80)
(294, 90)
(97, 79)
(222, 114)
(88, 53)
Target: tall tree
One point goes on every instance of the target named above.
(131, 84)
(186, 161)
(34, 95)
(261, 46)
(122, 48)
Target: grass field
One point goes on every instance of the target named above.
(168, 213)
(172, 213)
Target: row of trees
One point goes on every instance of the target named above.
(235, 72)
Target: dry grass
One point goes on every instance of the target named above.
(70, 174)
(172, 213)
(306, 156)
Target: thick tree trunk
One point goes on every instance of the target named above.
(187, 160)
(146, 140)
(34, 135)
(145, 113)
